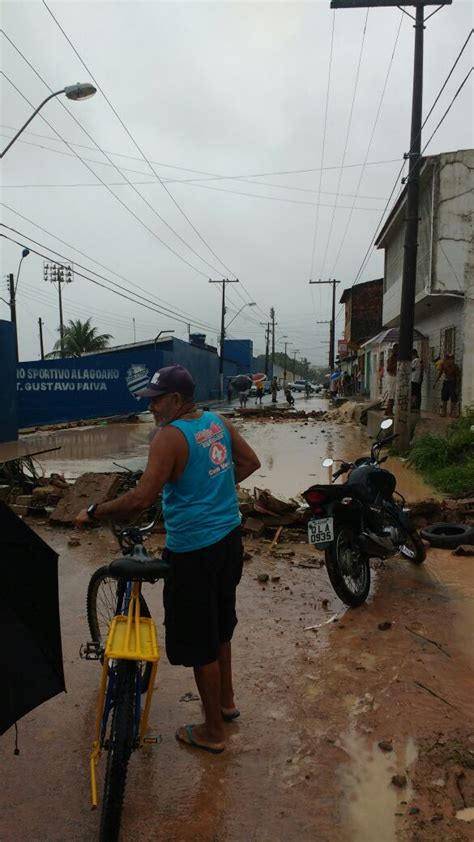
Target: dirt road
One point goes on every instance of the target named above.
(303, 763)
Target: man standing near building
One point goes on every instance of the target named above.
(416, 380)
(450, 387)
(274, 390)
(391, 379)
(196, 459)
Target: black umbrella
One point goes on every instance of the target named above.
(31, 663)
(241, 382)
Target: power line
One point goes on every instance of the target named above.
(102, 266)
(349, 125)
(135, 142)
(361, 174)
(153, 233)
(151, 307)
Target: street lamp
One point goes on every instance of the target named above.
(247, 304)
(159, 334)
(81, 90)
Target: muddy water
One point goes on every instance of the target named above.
(291, 452)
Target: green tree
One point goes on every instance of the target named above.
(79, 338)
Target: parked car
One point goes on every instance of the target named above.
(301, 386)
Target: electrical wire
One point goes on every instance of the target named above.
(140, 150)
(160, 301)
(349, 125)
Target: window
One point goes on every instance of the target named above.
(447, 341)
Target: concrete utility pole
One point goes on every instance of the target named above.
(267, 345)
(272, 316)
(332, 329)
(40, 325)
(407, 308)
(285, 364)
(224, 281)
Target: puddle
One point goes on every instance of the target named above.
(290, 452)
(373, 801)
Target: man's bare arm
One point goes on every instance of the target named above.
(245, 459)
(161, 462)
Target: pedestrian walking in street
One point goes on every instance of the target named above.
(416, 380)
(450, 387)
(390, 379)
(274, 390)
(260, 392)
(243, 397)
(195, 459)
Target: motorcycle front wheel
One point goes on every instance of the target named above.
(348, 567)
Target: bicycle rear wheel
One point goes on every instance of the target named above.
(102, 607)
(119, 748)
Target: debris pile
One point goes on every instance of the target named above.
(263, 510)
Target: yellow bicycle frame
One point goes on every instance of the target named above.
(132, 638)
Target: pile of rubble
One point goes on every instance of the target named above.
(450, 510)
(262, 510)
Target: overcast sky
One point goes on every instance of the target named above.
(212, 89)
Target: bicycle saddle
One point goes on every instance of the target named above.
(139, 566)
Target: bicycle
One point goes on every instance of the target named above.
(124, 639)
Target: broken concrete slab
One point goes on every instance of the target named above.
(253, 526)
(88, 488)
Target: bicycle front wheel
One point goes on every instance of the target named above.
(101, 608)
(119, 748)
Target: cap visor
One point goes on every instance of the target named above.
(148, 393)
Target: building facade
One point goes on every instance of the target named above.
(444, 301)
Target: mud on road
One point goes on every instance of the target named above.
(303, 763)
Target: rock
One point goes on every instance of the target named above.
(276, 578)
(386, 745)
(254, 526)
(88, 488)
(74, 542)
(399, 780)
(438, 817)
(385, 626)
(246, 556)
(48, 492)
(263, 578)
(325, 603)
(461, 550)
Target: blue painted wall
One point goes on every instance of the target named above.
(8, 413)
(50, 391)
(239, 351)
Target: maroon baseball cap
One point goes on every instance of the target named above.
(172, 378)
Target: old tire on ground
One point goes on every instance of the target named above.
(448, 535)
(348, 568)
(119, 748)
(101, 606)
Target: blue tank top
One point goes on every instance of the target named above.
(201, 508)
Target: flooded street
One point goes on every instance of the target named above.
(319, 687)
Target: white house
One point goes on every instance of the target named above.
(444, 303)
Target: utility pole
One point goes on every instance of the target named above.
(407, 307)
(267, 345)
(58, 273)
(332, 328)
(134, 330)
(285, 364)
(11, 287)
(272, 316)
(40, 325)
(224, 281)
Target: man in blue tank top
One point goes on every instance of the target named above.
(196, 459)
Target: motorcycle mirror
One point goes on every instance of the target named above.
(386, 424)
(328, 463)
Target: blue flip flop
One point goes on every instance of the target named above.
(230, 717)
(193, 744)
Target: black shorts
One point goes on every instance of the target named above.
(199, 600)
(448, 391)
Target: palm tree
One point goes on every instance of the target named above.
(79, 338)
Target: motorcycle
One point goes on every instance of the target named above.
(363, 518)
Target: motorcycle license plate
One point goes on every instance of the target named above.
(321, 531)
